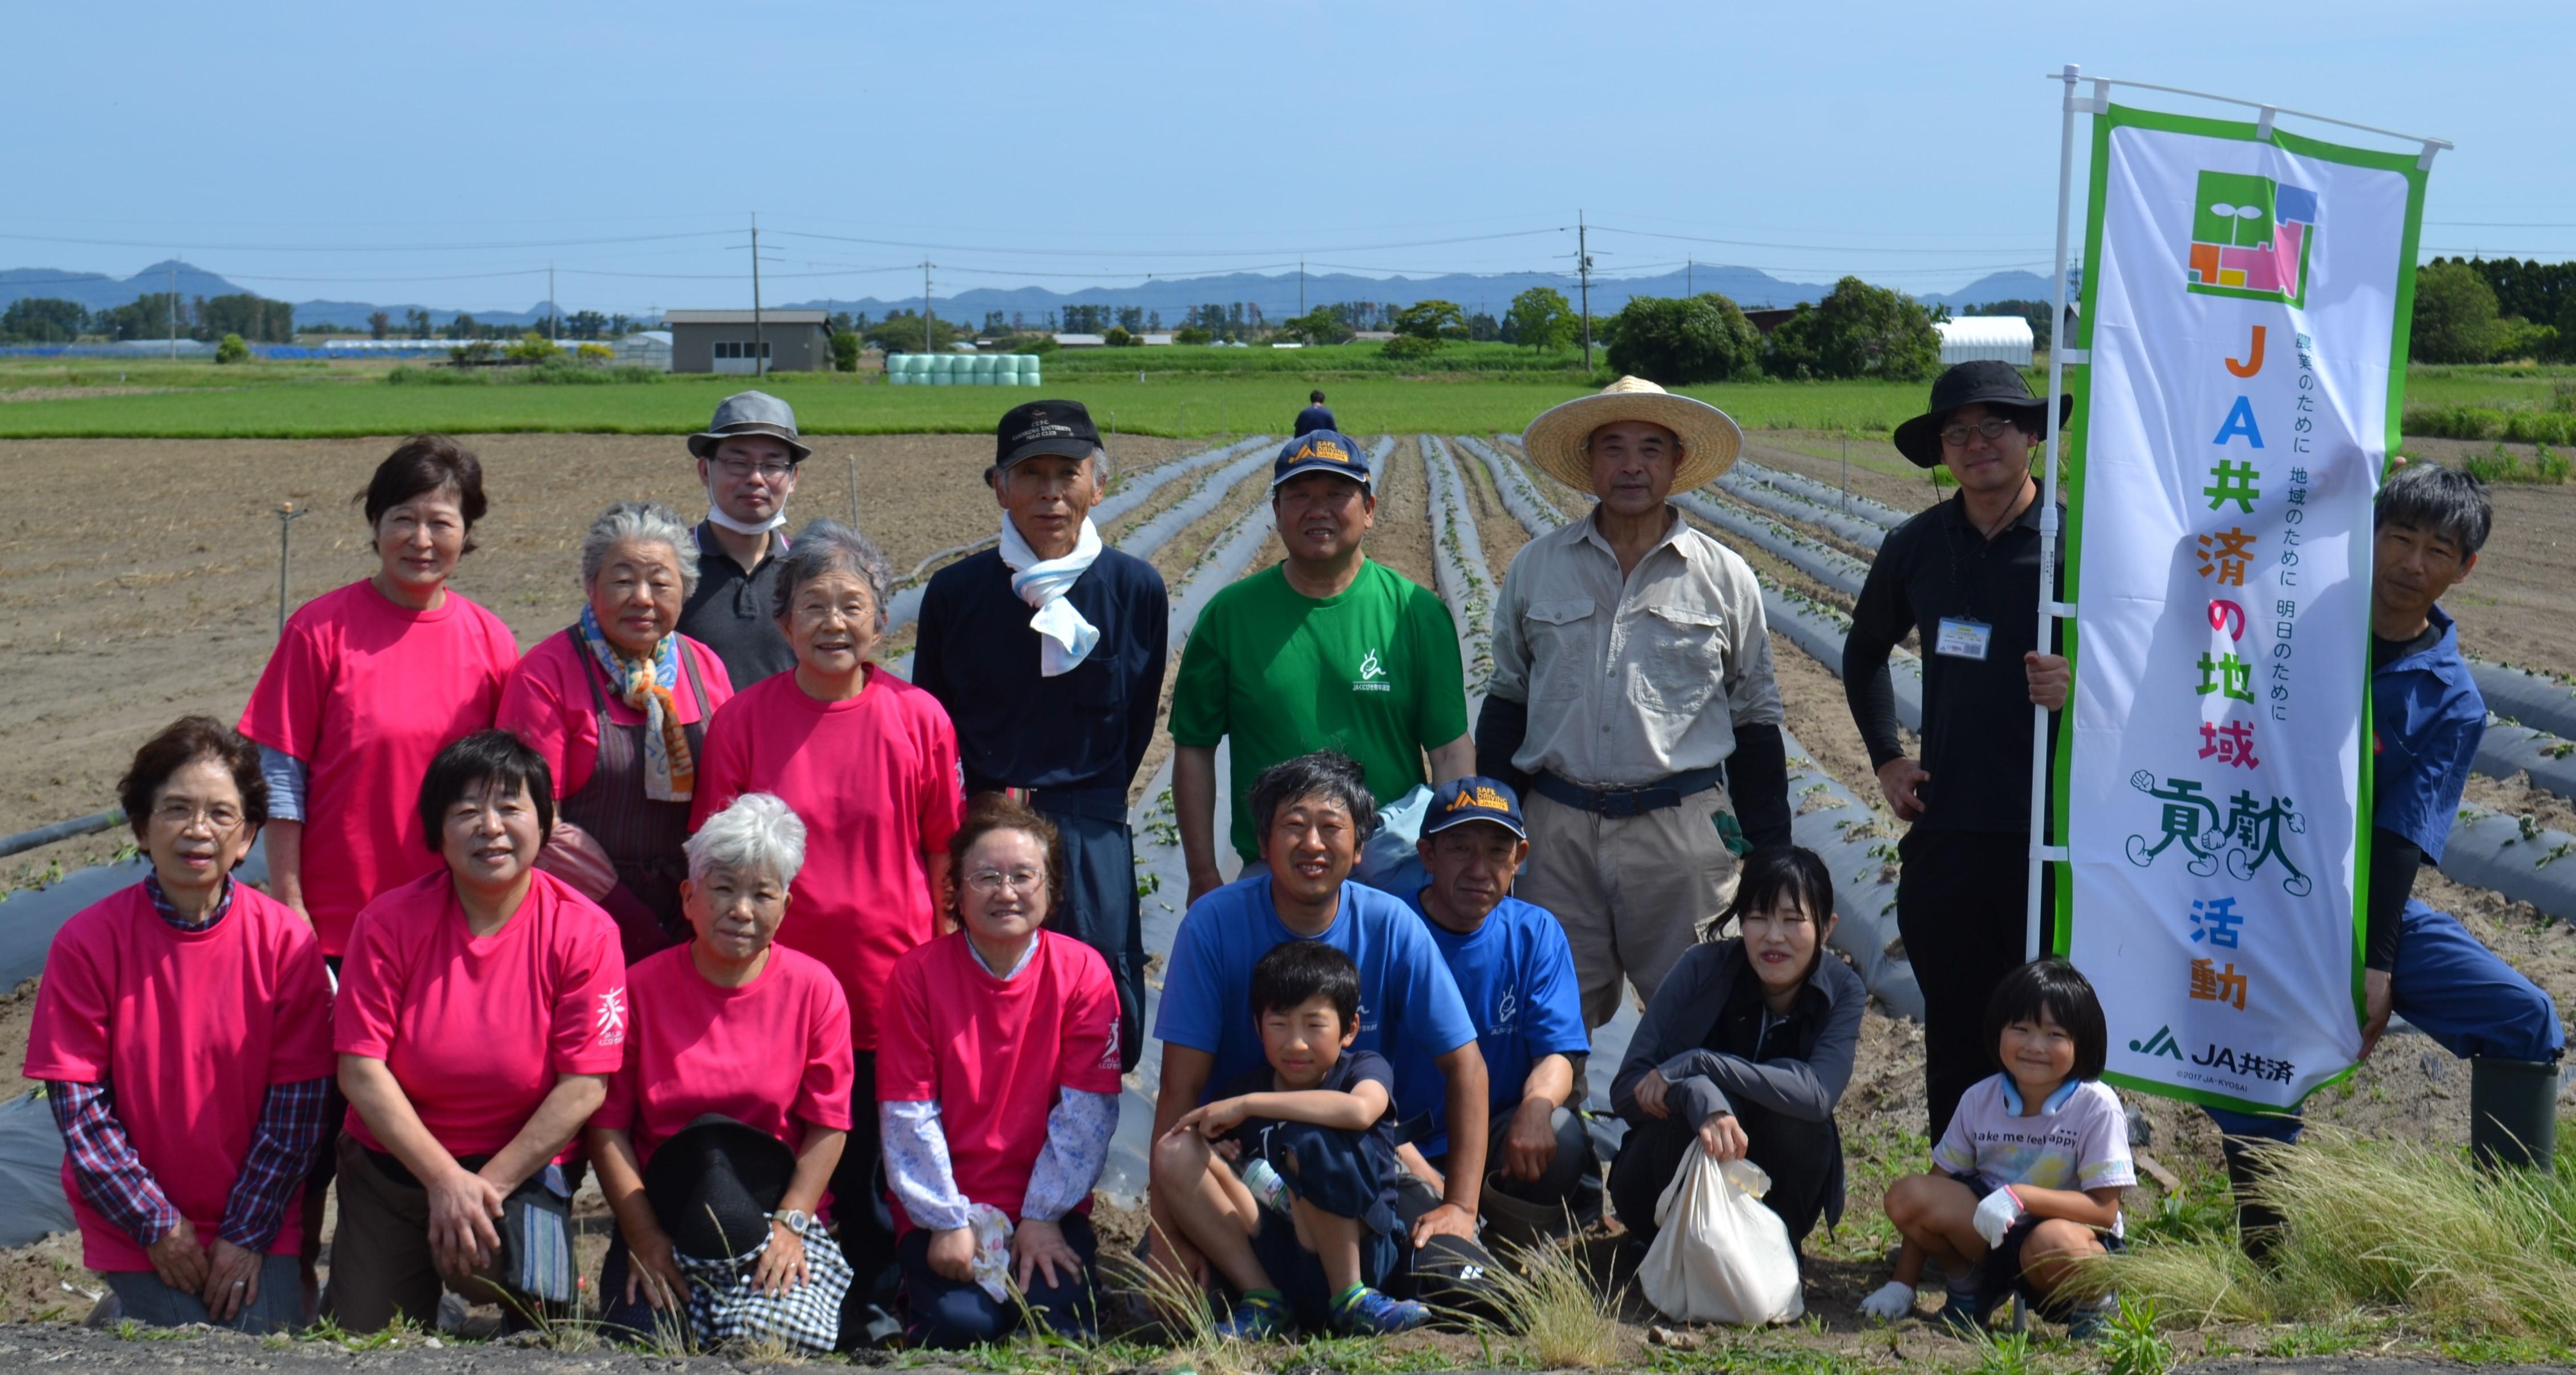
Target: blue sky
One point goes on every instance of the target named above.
(445, 154)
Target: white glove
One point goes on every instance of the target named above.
(1892, 1301)
(1996, 1215)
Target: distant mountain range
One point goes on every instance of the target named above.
(1277, 296)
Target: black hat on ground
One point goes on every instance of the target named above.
(714, 1184)
(1991, 383)
(1062, 428)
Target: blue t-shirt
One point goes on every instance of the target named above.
(2427, 719)
(1406, 995)
(1314, 418)
(1516, 974)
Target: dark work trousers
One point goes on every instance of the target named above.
(1803, 1158)
(1959, 900)
(859, 1208)
(1100, 893)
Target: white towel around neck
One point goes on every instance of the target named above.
(1065, 638)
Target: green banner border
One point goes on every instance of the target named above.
(2071, 460)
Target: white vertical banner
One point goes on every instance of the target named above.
(2245, 296)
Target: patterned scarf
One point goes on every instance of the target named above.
(670, 771)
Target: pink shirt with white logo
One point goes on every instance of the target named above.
(474, 1028)
(366, 693)
(773, 1054)
(191, 1029)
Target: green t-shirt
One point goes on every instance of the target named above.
(1373, 673)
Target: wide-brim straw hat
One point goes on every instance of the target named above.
(1709, 437)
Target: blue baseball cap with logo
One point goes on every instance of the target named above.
(1474, 798)
(1322, 451)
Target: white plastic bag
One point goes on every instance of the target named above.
(1721, 1256)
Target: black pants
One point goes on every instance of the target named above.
(858, 1200)
(1804, 1160)
(1959, 906)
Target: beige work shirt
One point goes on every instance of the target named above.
(1631, 680)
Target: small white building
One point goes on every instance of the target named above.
(1977, 338)
(1065, 340)
(649, 348)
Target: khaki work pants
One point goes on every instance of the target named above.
(1632, 892)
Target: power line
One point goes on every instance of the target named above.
(359, 248)
(1162, 252)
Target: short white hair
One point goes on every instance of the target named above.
(639, 522)
(757, 835)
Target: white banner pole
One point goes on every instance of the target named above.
(2048, 525)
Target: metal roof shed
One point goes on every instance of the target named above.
(1975, 338)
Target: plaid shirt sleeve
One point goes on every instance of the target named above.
(109, 1174)
(283, 1149)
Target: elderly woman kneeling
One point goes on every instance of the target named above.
(183, 1032)
(481, 1012)
(997, 1080)
(737, 1080)
(618, 704)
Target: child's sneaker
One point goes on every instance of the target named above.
(1366, 1310)
(1257, 1317)
(2091, 1321)
(1963, 1315)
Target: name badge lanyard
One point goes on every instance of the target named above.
(1964, 633)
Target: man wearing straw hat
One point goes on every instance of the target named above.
(1632, 687)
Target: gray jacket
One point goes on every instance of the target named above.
(1673, 1036)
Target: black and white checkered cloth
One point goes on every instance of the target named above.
(725, 1305)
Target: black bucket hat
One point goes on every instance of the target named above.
(714, 1184)
(1990, 383)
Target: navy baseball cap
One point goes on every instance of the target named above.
(1474, 799)
(1062, 428)
(1322, 451)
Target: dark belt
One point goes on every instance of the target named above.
(1091, 804)
(1620, 802)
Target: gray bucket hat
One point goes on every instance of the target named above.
(750, 412)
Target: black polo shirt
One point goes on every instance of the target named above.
(730, 611)
(1976, 712)
(1086, 730)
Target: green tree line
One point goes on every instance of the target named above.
(41, 320)
(2484, 310)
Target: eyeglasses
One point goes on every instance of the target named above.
(992, 881)
(1992, 427)
(184, 814)
(743, 467)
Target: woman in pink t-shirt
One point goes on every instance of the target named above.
(367, 684)
(735, 1028)
(183, 1034)
(997, 1082)
(869, 762)
(618, 705)
(481, 1011)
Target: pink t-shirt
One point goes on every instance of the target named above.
(875, 779)
(476, 1029)
(547, 706)
(773, 1054)
(191, 1028)
(996, 1052)
(366, 693)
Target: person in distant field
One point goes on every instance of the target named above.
(1514, 970)
(1049, 654)
(747, 460)
(183, 1036)
(1632, 701)
(1324, 651)
(2427, 718)
(1308, 1231)
(367, 685)
(1963, 578)
(618, 704)
(1314, 417)
(2027, 1178)
(1311, 812)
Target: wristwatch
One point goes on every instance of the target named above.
(797, 1220)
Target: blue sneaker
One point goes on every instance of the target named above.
(1963, 1315)
(2090, 1323)
(1257, 1317)
(1366, 1311)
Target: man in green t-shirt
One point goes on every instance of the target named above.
(1323, 651)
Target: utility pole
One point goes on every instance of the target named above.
(554, 312)
(1301, 286)
(759, 349)
(174, 312)
(1690, 273)
(926, 317)
(1583, 264)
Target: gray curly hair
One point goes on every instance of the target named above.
(757, 836)
(827, 546)
(640, 522)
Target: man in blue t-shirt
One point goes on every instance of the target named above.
(1516, 973)
(1311, 813)
(1314, 417)
(2427, 719)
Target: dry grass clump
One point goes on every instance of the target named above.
(2375, 1226)
(1550, 1299)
